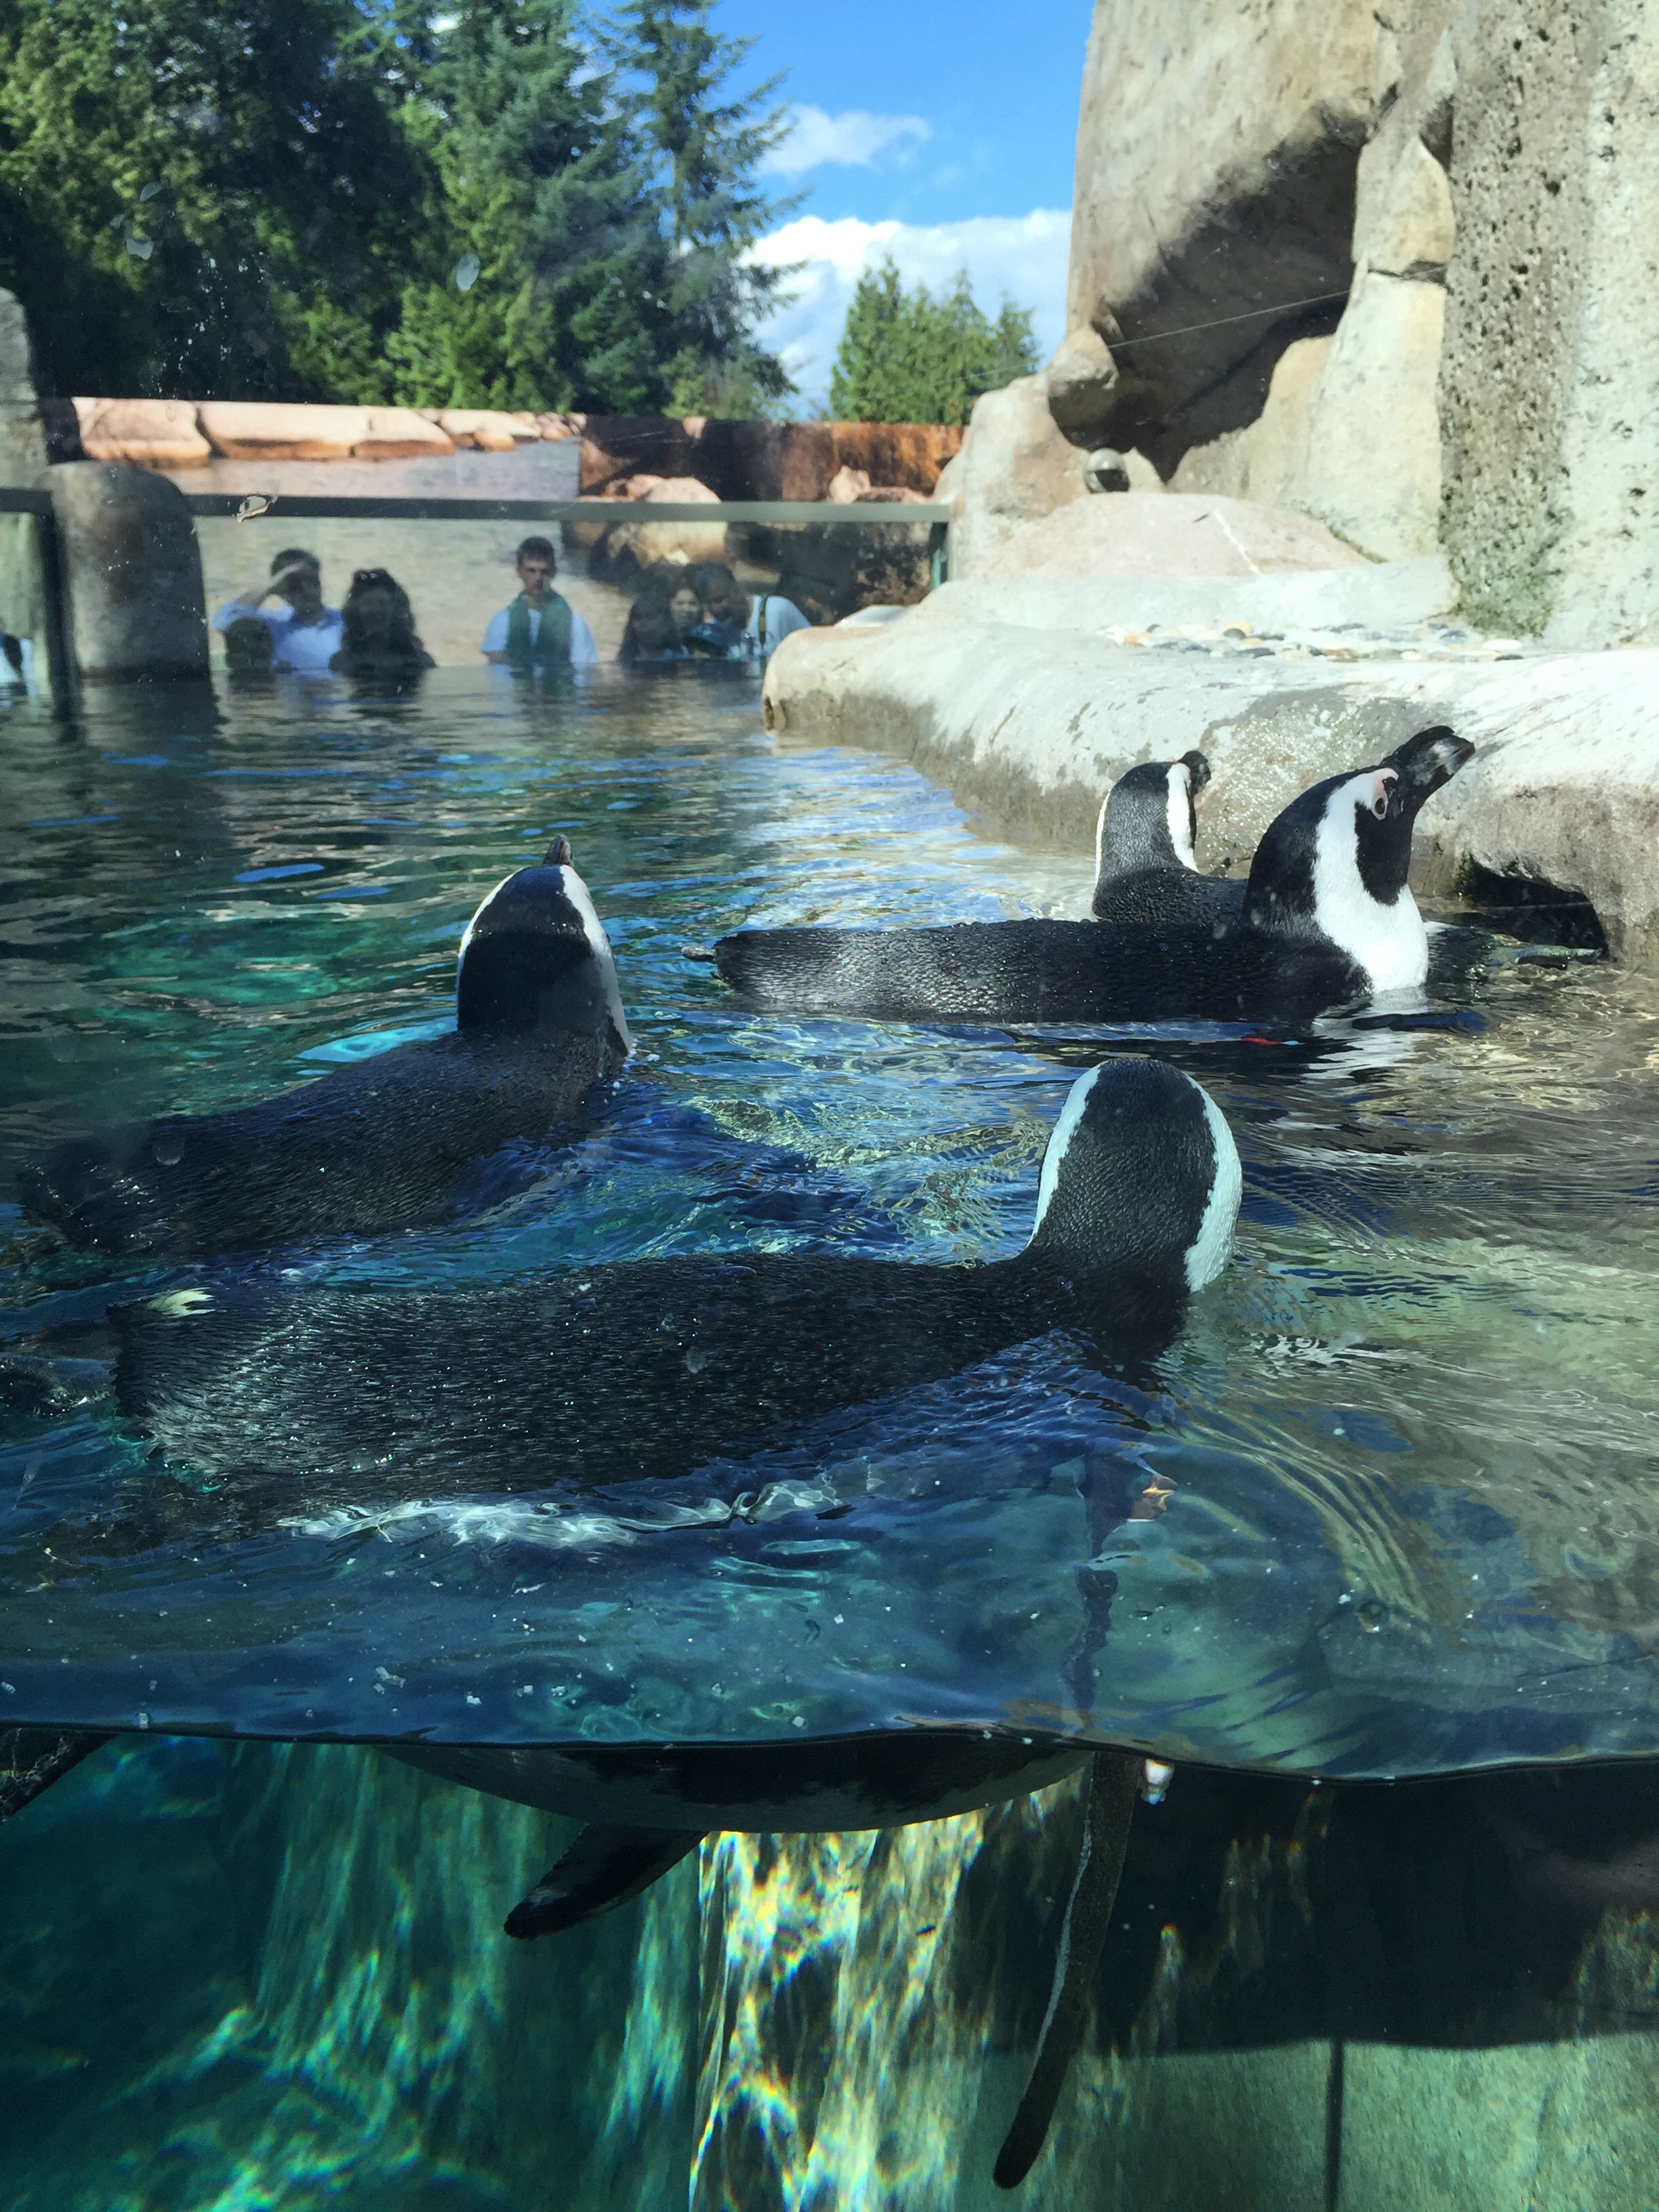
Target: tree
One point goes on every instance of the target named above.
(542, 262)
(707, 297)
(911, 356)
(203, 196)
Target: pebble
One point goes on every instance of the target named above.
(1343, 642)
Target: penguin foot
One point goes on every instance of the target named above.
(31, 1759)
(1113, 1782)
(1153, 1499)
(603, 1869)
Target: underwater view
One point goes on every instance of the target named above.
(1376, 1509)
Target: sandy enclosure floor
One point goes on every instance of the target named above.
(456, 573)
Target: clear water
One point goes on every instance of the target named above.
(1411, 1431)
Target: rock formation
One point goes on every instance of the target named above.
(1397, 274)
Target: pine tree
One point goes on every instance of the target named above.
(532, 291)
(707, 299)
(202, 198)
(910, 356)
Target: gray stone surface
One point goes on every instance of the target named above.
(1548, 387)
(22, 450)
(132, 575)
(1216, 149)
(1029, 725)
(1015, 466)
(1082, 386)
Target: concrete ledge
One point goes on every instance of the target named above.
(1028, 725)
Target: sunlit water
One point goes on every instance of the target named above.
(1411, 1431)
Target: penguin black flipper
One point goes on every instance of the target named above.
(1113, 1785)
(32, 1759)
(605, 1867)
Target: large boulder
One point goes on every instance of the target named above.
(1015, 466)
(1218, 144)
(259, 430)
(627, 551)
(150, 434)
(1082, 382)
(131, 572)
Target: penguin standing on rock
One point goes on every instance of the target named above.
(1327, 921)
(380, 1145)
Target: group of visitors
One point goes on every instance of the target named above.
(703, 613)
(699, 613)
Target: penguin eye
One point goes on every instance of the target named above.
(1386, 779)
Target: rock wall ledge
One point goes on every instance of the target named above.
(1029, 697)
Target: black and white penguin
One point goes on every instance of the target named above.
(1327, 921)
(305, 1399)
(1146, 865)
(381, 1144)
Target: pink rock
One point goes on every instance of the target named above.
(271, 430)
(485, 428)
(149, 434)
(847, 485)
(398, 433)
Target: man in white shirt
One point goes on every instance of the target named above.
(759, 626)
(540, 629)
(304, 634)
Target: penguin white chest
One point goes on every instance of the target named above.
(1388, 942)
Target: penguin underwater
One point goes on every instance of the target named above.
(1325, 920)
(378, 1144)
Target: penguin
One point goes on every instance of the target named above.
(1146, 867)
(1327, 921)
(380, 1145)
(299, 1400)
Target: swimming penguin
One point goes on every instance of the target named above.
(1327, 921)
(381, 1144)
(303, 1399)
(1145, 868)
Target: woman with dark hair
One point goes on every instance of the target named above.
(380, 637)
(651, 633)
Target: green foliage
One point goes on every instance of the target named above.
(705, 143)
(485, 203)
(916, 356)
(201, 197)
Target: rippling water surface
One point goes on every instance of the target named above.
(1411, 1431)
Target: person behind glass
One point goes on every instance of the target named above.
(756, 627)
(654, 632)
(305, 634)
(540, 629)
(250, 651)
(379, 630)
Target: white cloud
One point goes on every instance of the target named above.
(1021, 258)
(849, 141)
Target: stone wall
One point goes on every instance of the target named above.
(1548, 386)
(1479, 182)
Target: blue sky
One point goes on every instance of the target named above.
(957, 152)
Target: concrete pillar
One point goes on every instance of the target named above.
(22, 449)
(131, 572)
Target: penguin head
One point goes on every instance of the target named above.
(1139, 1188)
(535, 956)
(1334, 863)
(1149, 818)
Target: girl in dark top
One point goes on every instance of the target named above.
(380, 629)
(651, 633)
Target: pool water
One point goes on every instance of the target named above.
(1411, 1533)
(1410, 1433)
